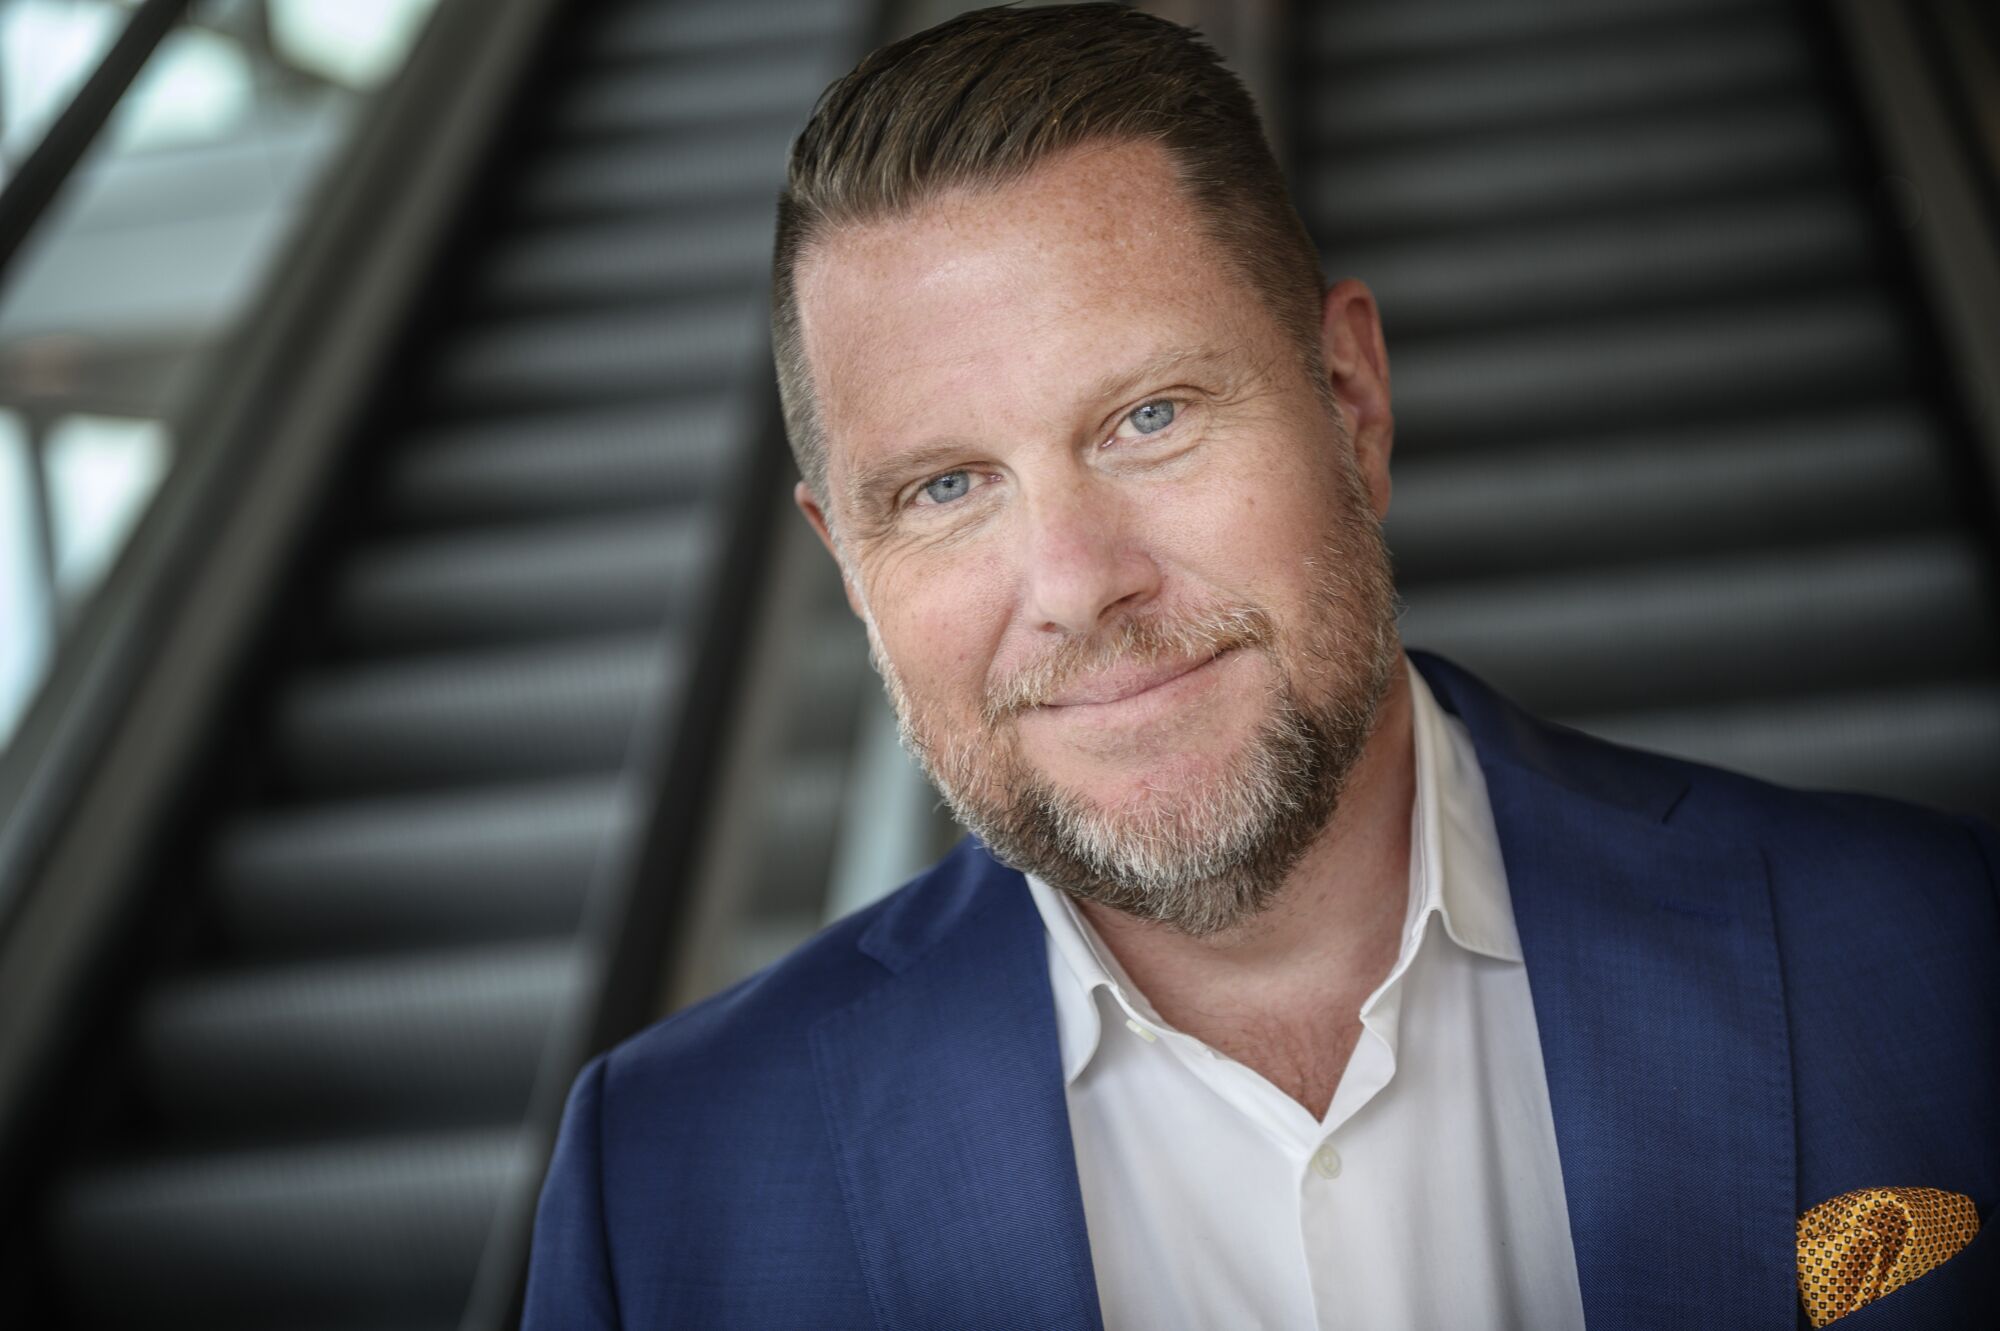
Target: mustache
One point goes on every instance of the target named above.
(1135, 639)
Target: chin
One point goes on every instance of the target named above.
(1147, 783)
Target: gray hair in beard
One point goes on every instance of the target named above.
(1211, 861)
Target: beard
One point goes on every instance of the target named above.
(1209, 859)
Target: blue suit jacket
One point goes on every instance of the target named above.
(1750, 999)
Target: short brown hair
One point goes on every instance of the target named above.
(979, 101)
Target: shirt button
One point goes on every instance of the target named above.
(1326, 1162)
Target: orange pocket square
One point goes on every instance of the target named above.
(1858, 1246)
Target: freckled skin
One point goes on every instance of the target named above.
(986, 330)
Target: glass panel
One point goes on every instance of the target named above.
(116, 312)
(102, 471)
(199, 87)
(47, 49)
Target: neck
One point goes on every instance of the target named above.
(1283, 991)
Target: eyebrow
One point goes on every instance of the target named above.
(869, 481)
(1119, 383)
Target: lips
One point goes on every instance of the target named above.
(1124, 681)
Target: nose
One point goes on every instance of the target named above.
(1083, 558)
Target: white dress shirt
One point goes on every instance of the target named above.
(1429, 1196)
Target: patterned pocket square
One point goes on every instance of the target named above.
(1858, 1246)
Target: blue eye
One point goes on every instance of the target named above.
(1152, 417)
(952, 485)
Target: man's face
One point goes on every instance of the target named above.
(1118, 557)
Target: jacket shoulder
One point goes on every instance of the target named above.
(657, 1208)
(1846, 849)
(758, 1026)
(1839, 836)
(1851, 875)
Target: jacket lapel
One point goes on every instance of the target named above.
(943, 1090)
(1653, 964)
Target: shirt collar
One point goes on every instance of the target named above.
(1455, 873)
(1462, 875)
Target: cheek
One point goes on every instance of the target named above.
(941, 620)
(1248, 529)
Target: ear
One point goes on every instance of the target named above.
(802, 495)
(1357, 364)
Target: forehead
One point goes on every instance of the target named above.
(1003, 298)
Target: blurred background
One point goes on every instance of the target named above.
(413, 677)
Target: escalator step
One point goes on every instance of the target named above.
(1666, 494)
(1788, 622)
(1572, 269)
(552, 464)
(588, 359)
(1619, 70)
(380, 874)
(359, 1230)
(476, 718)
(719, 170)
(623, 261)
(1584, 376)
(774, 83)
(1551, 171)
(1370, 30)
(496, 585)
(419, 1037)
(646, 29)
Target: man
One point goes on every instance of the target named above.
(1291, 982)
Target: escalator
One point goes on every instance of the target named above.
(322, 1091)
(1676, 460)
